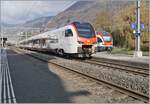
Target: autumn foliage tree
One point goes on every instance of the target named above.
(118, 24)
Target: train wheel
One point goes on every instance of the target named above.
(56, 51)
(90, 56)
(61, 52)
(67, 56)
(109, 50)
(84, 56)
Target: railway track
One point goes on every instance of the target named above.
(129, 92)
(123, 63)
(143, 67)
(127, 68)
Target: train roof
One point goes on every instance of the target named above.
(48, 33)
(45, 34)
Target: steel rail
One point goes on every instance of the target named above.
(123, 68)
(119, 63)
(127, 68)
(129, 92)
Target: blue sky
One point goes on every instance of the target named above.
(14, 12)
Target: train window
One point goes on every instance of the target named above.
(107, 38)
(68, 33)
(105, 33)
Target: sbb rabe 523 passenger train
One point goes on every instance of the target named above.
(104, 41)
(76, 39)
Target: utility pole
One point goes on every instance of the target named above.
(26, 33)
(138, 52)
(0, 26)
(2, 40)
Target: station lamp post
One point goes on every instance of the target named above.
(138, 52)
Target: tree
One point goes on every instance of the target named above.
(120, 26)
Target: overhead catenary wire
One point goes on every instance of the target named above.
(27, 14)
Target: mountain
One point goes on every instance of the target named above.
(6, 25)
(38, 22)
(27, 26)
(85, 11)
(31, 27)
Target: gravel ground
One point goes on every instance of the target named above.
(134, 82)
(128, 80)
(95, 93)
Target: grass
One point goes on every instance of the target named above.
(126, 51)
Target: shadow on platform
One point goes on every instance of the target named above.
(33, 82)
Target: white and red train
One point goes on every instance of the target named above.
(104, 41)
(76, 39)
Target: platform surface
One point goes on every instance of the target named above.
(24, 79)
(124, 57)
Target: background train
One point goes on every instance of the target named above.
(76, 39)
(104, 41)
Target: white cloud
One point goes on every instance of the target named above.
(20, 11)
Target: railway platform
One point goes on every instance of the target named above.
(123, 57)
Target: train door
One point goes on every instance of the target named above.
(100, 43)
(69, 44)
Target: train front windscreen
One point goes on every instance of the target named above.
(106, 36)
(85, 30)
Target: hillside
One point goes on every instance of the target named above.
(37, 23)
(6, 25)
(84, 11)
(119, 26)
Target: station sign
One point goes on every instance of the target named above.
(142, 26)
(134, 26)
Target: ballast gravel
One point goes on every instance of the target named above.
(127, 80)
(93, 92)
